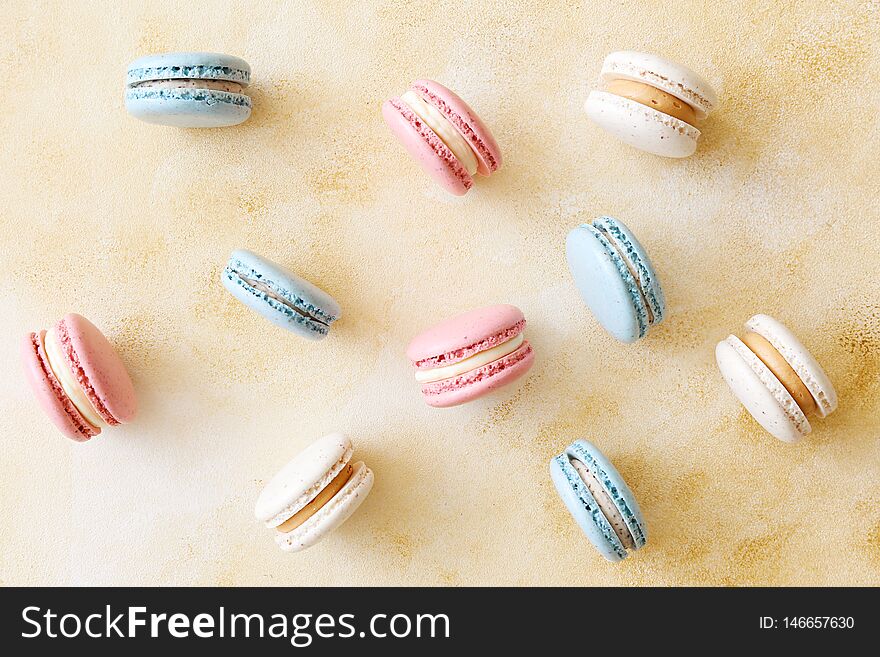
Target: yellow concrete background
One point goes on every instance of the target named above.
(130, 225)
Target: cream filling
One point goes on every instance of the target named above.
(472, 363)
(632, 270)
(443, 128)
(319, 502)
(606, 504)
(262, 287)
(65, 377)
(191, 83)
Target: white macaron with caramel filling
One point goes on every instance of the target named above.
(314, 493)
(776, 378)
(651, 103)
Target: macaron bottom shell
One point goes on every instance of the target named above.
(49, 392)
(188, 107)
(332, 514)
(643, 127)
(759, 392)
(775, 378)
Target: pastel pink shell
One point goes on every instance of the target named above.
(428, 149)
(463, 336)
(96, 367)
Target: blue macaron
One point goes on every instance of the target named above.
(189, 89)
(615, 278)
(280, 296)
(599, 500)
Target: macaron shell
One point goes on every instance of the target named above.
(288, 285)
(426, 148)
(799, 358)
(302, 478)
(188, 108)
(192, 65)
(584, 508)
(493, 376)
(48, 392)
(608, 289)
(641, 126)
(331, 515)
(460, 114)
(102, 367)
(458, 335)
(671, 77)
(760, 401)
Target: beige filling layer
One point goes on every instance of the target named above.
(192, 83)
(320, 500)
(632, 271)
(606, 504)
(442, 127)
(474, 362)
(781, 370)
(69, 384)
(653, 97)
(268, 291)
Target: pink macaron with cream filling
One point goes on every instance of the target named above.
(470, 355)
(443, 134)
(78, 378)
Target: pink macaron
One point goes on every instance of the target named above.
(443, 134)
(470, 355)
(78, 378)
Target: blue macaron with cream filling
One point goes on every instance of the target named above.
(280, 296)
(599, 500)
(615, 278)
(189, 89)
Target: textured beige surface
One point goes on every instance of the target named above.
(130, 223)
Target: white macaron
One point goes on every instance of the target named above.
(776, 378)
(651, 103)
(314, 493)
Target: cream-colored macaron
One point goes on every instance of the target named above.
(776, 378)
(651, 103)
(314, 493)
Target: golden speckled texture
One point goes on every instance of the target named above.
(130, 225)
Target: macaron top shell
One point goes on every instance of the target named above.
(98, 368)
(673, 78)
(471, 127)
(464, 335)
(306, 475)
(799, 358)
(281, 296)
(300, 287)
(192, 65)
